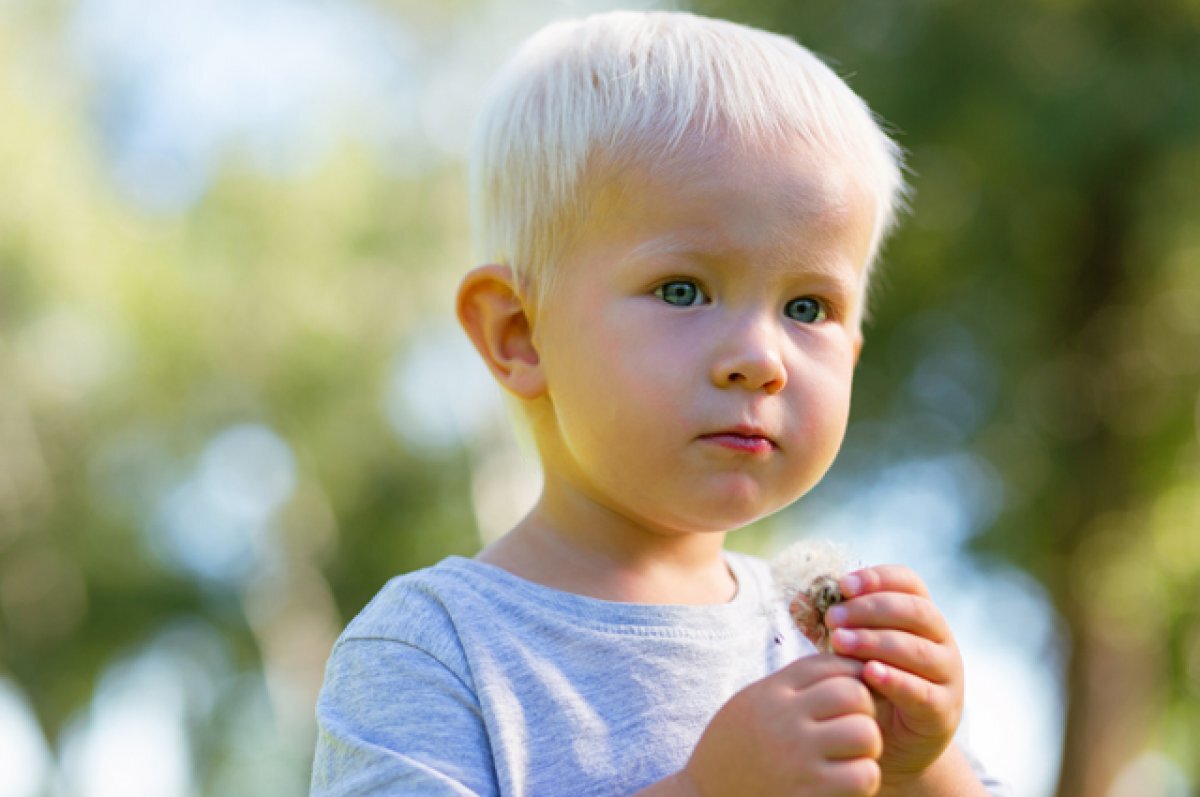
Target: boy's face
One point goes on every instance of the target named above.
(699, 345)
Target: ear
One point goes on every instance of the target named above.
(494, 318)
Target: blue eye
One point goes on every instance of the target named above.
(681, 293)
(806, 310)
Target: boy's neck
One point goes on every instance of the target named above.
(605, 557)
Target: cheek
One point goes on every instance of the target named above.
(823, 394)
(655, 373)
(616, 375)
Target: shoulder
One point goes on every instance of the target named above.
(419, 596)
(420, 610)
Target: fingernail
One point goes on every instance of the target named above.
(836, 615)
(844, 638)
(851, 585)
(877, 671)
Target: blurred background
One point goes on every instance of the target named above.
(233, 400)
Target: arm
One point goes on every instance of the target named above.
(393, 719)
(911, 662)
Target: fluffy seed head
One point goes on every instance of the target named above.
(806, 575)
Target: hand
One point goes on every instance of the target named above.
(910, 660)
(807, 730)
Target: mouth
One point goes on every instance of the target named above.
(743, 438)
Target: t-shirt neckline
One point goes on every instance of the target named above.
(747, 601)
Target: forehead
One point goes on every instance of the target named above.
(779, 206)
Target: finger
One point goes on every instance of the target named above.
(838, 697)
(859, 776)
(897, 610)
(808, 670)
(926, 707)
(909, 652)
(882, 578)
(853, 736)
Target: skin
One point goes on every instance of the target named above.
(720, 288)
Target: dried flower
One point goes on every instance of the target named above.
(806, 576)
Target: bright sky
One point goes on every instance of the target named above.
(183, 82)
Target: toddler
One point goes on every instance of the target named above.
(678, 218)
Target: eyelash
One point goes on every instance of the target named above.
(823, 309)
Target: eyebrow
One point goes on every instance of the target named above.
(664, 245)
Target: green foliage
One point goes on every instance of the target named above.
(129, 341)
(1038, 309)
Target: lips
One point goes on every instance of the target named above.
(745, 438)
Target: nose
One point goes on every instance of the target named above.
(749, 357)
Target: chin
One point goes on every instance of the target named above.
(717, 515)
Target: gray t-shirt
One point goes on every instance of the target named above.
(463, 679)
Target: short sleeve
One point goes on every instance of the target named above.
(393, 719)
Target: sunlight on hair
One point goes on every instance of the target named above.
(596, 93)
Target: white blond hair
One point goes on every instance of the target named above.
(637, 85)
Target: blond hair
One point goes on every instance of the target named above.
(640, 85)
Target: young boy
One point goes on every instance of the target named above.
(679, 217)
